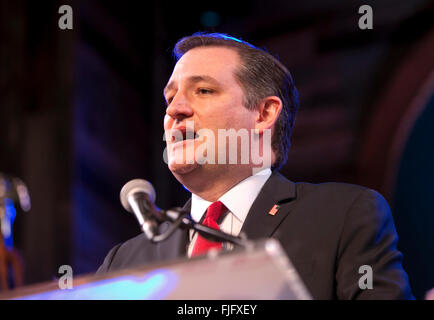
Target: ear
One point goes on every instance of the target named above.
(268, 113)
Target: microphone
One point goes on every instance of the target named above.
(138, 197)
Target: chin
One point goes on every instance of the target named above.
(182, 168)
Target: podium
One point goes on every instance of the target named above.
(261, 271)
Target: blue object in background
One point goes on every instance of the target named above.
(7, 223)
(413, 206)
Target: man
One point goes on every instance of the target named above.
(328, 230)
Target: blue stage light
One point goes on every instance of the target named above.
(155, 285)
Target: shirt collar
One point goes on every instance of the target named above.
(238, 200)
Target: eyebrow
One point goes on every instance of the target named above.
(192, 79)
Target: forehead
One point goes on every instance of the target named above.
(217, 62)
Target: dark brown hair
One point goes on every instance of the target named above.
(260, 75)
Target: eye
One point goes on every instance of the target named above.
(204, 91)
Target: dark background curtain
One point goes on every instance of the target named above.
(81, 111)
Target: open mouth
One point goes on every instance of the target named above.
(184, 135)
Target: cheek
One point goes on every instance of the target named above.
(242, 119)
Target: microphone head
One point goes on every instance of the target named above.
(133, 186)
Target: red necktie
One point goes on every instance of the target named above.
(202, 245)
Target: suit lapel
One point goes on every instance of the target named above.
(277, 190)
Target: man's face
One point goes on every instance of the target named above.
(203, 93)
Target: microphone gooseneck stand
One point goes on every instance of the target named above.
(138, 197)
(180, 218)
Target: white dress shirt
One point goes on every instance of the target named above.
(238, 200)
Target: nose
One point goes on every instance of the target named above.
(179, 108)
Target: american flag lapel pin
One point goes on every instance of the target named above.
(274, 210)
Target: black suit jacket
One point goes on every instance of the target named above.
(328, 231)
